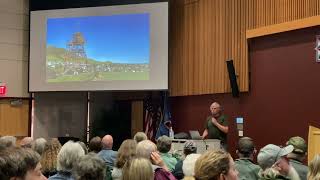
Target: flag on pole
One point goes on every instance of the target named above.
(148, 118)
(166, 124)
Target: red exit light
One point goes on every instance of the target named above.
(3, 89)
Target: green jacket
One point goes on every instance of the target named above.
(247, 169)
(169, 160)
(301, 169)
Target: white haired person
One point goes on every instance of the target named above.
(68, 156)
(90, 167)
(147, 149)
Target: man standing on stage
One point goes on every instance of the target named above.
(216, 126)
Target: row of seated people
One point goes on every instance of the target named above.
(140, 158)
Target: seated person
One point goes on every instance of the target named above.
(107, 154)
(147, 149)
(215, 165)
(90, 167)
(20, 163)
(245, 166)
(297, 156)
(164, 146)
(189, 148)
(274, 164)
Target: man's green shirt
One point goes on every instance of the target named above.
(247, 169)
(214, 132)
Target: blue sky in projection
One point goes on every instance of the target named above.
(118, 38)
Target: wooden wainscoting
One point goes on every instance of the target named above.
(14, 120)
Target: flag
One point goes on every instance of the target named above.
(152, 118)
(165, 123)
(148, 118)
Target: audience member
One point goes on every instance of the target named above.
(138, 169)
(84, 147)
(297, 156)
(164, 146)
(20, 163)
(95, 144)
(38, 145)
(188, 164)
(68, 156)
(90, 167)
(126, 151)
(140, 136)
(26, 142)
(244, 165)
(107, 154)
(189, 148)
(147, 149)
(7, 141)
(49, 157)
(215, 165)
(314, 168)
(272, 160)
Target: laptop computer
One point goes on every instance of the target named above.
(195, 135)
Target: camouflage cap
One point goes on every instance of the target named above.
(299, 144)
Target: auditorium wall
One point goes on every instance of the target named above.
(14, 42)
(283, 95)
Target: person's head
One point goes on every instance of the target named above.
(38, 145)
(26, 142)
(164, 144)
(107, 142)
(140, 136)
(95, 144)
(20, 163)
(126, 151)
(300, 148)
(84, 147)
(138, 169)
(90, 167)
(8, 141)
(145, 148)
(49, 155)
(215, 109)
(189, 163)
(215, 165)
(314, 168)
(245, 148)
(68, 156)
(274, 156)
(189, 147)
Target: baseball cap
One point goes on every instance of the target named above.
(299, 144)
(245, 145)
(190, 145)
(271, 153)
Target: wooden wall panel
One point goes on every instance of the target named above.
(206, 33)
(14, 120)
(136, 117)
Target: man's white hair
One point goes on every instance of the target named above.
(69, 154)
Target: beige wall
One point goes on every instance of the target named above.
(14, 42)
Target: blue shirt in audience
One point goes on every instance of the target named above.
(62, 176)
(108, 156)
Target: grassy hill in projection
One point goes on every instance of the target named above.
(63, 66)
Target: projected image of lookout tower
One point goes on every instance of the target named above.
(98, 48)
